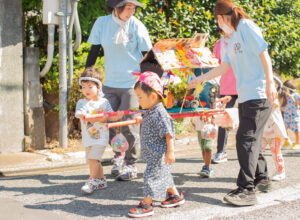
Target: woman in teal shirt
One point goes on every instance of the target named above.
(248, 56)
(124, 39)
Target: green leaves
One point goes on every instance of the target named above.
(279, 21)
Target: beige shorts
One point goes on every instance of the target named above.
(94, 152)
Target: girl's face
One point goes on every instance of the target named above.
(90, 90)
(128, 11)
(146, 101)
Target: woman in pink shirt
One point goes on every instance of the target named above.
(227, 88)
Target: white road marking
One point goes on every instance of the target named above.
(289, 193)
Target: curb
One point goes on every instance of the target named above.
(69, 160)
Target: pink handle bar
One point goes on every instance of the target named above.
(121, 123)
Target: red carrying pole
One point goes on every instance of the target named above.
(173, 115)
(195, 114)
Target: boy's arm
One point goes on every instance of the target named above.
(170, 157)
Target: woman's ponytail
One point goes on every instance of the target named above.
(227, 7)
(236, 15)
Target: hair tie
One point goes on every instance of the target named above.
(278, 81)
(230, 12)
(90, 79)
(288, 88)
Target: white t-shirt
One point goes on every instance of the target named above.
(93, 133)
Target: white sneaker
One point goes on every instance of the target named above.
(278, 176)
(93, 184)
(220, 158)
(102, 183)
(117, 165)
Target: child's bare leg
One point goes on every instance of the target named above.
(148, 200)
(173, 190)
(96, 169)
(203, 155)
(297, 138)
(207, 157)
(277, 155)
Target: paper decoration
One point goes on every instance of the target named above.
(182, 53)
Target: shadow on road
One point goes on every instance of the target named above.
(67, 197)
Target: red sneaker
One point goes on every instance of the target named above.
(143, 210)
(173, 200)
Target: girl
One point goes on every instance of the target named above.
(290, 101)
(157, 147)
(94, 133)
(273, 134)
(124, 39)
(248, 56)
(227, 88)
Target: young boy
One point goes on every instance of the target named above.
(206, 133)
(95, 135)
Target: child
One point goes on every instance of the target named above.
(290, 101)
(273, 134)
(157, 147)
(206, 133)
(94, 133)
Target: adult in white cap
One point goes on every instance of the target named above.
(124, 40)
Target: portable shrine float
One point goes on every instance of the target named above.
(177, 61)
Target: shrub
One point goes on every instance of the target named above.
(279, 21)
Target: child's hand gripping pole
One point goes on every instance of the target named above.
(225, 99)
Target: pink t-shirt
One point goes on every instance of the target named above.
(228, 81)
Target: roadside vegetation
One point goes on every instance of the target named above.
(279, 20)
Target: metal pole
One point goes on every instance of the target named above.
(63, 121)
(70, 47)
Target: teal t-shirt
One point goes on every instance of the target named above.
(120, 61)
(244, 47)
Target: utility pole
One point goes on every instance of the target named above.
(63, 114)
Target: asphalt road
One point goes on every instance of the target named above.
(56, 195)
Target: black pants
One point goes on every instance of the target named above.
(222, 132)
(253, 116)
